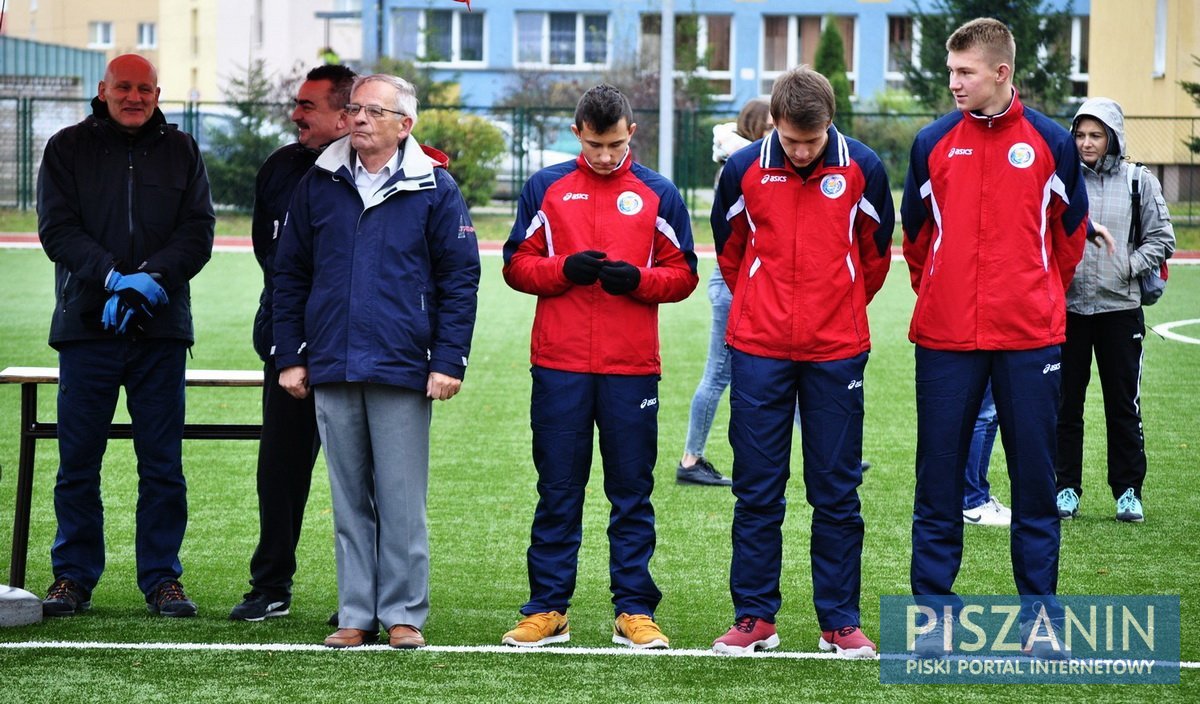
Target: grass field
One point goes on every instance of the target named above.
(480, 504)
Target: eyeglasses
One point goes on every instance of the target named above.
(375, 111)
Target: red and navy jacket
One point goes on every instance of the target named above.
(634, 215)
(995, 221)
(802, 255)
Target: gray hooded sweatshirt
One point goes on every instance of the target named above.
(1104, 283)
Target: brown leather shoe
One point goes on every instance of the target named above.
(350, 638)
(405, 637)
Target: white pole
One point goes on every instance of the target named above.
(666, 92)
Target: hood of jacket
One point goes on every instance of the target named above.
(1109, 113)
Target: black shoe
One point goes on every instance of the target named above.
(256, 607)
(333, 620)
(701, 474)
(66, 598)
(168, 599)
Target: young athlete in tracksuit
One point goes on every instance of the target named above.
(803, 226)
(995, 216)
(600, 241)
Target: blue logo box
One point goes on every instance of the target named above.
(1117, 639)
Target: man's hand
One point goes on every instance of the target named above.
(294, 380)
(582, 268)
(139, 292)
(441, 387)
(116, 315)
(620, 277)
(1104, 238)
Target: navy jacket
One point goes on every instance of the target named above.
(379, 293)
(107, 199)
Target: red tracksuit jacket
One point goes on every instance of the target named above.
(632, 214)
(995, 218)
(803, 256)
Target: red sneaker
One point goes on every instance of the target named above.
(749, 633)
(848, 641)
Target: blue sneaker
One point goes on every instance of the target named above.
(1068, 504)
(1129, 508)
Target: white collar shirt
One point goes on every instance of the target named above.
(367, 183)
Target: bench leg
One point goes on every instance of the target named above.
(24, 497)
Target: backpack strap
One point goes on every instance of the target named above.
(1134, 178)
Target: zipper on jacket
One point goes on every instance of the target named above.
(129, 192)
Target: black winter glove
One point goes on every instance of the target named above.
(619, 277)
(582, 268)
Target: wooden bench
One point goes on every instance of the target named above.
(32, 430)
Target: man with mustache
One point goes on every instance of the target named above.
(289, 444)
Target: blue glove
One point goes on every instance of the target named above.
(116, 315)
(139, 291)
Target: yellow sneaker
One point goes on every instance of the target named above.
(539, 629)
(638, 631)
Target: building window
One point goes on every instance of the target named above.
(1080, 41)
(100, 35)
(147, 35)
(791, 40)
(438, 36)
(901, 46)
(561, 39)
(703, 45)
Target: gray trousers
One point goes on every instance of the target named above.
(376, 441)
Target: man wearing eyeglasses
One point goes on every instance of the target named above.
(376, 280)
(289, 444)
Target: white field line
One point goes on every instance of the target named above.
(1164, 329)
(493, 649)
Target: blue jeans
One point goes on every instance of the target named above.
(978, 490)
(91, 376)
(716, 370)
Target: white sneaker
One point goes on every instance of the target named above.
(992, 513)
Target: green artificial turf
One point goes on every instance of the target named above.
(480, 504)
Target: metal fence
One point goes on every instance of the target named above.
(536, 135)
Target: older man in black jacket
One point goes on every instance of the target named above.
(125, 213)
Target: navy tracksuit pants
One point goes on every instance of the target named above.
(950, 386)
(763, 396)
(564, 408)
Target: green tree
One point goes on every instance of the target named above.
(237, 149)
(473, 145)
(1193, 91)
(830, 62)
(1043, 70)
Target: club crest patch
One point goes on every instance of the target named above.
(1021, 155)
(833, 185)
(629, 203)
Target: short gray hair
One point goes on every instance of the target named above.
(406, 94)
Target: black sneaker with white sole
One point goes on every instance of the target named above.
(701, 474)
(257, 607)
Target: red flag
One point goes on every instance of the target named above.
(468, 2)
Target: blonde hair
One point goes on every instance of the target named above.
(991, 36)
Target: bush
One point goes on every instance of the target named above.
(473, 145)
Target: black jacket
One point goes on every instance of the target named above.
(107, 199)
(277, 179)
